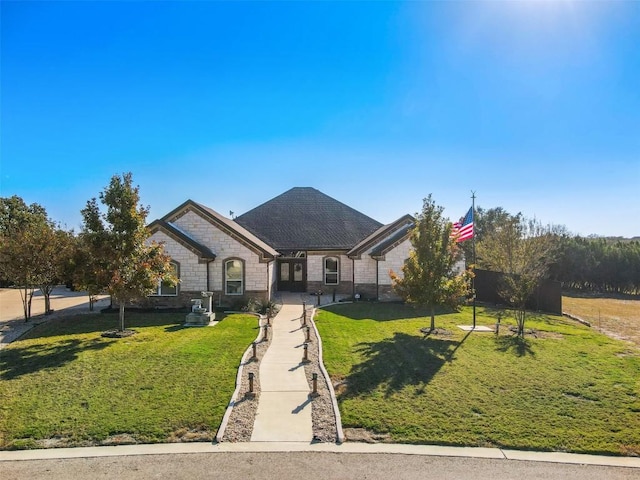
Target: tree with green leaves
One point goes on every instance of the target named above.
(523, 251)
(84, 270)
(118, 258)
(56, 250)
(484, 221)
(33, 251)
(429, 278)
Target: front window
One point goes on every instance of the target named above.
(166, 290)
(331, 273)
(233, 277)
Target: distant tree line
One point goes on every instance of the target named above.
(589, 264)
(598, 265)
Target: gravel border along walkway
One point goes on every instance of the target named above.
(237, 425)
(238, 420)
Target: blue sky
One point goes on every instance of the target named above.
(533, 105)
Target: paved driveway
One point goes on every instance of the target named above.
(63, 300)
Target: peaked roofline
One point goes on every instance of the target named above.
(204, 252)
(228, 226)
(379, 235)
(393, 241)
(304, 218)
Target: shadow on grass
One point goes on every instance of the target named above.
(520, 346)
(100, 322)
(383, 311)
(507, 315)
(398, 362)
(15, 362)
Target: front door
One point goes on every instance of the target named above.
(292, 275)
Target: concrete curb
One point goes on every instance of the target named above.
(334, 400)
(234, 396)
(361, 448)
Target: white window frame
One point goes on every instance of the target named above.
(326, 271)
(227, 280)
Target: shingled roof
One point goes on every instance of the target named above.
(304, 218)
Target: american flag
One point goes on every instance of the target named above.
(463, 230)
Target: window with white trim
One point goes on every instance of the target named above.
(164, 288)
(331, 270)
(234, 277)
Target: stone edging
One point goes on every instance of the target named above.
(234, 396)
(334, 401)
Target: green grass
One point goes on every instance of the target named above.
(64, 381)
(569, 389)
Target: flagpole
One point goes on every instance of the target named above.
(473, 239)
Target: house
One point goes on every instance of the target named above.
(299, 241)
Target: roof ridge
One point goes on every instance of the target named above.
(307, 219)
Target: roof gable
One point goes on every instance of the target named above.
(304, 218)
(181, 237)
(228, 226)
(381, 236)
(392, 242)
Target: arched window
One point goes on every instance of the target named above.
(166, 290)
(331, 270)
(234, 277)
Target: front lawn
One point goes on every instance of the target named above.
(63, 384)
(568, 388)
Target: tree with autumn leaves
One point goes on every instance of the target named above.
(116, 255)
(429, 279)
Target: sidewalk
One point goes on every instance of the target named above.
(377, 448)
(284, 409)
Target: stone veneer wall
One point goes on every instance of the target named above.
(315, 273)
(225, 247)
(393, 260)
(258, 276)
(366, 270)
(192, 271)
(345, 288)
(184, 297)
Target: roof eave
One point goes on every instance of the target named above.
(197, 248)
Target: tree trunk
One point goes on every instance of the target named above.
(433, 318)
(26, 294)
(520, 314)
(122, 316)
(31, 292)
(46, 293)
(25, 300)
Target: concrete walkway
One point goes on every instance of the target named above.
(284, 409)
